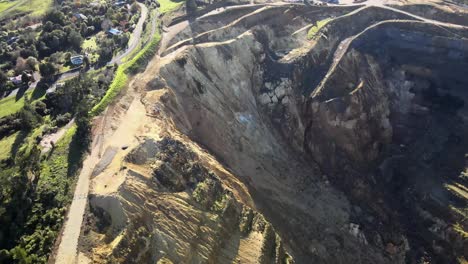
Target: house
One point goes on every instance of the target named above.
(114, 32)
(120, 3)
(80, 16)
(12, 40)
(77, 60)
(16, 80)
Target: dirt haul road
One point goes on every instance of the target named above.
(67, 252)
(128, 124)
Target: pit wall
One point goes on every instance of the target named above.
(218, 100)
(287, 18)
(450, 15)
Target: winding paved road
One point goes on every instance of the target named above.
(136, 36)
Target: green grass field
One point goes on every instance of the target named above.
(168, 5)
(5, 4)
(89, 44)
(33, 7)
(6, 145)
(10, 106)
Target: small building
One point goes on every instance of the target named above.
(120, 3)
(17, 79)
(77, 60)
(12, 40)
(114, 32)
(81, 17)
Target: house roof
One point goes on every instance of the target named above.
(12, 40)
(81, 16)
(119, 3)
(17, 79)
(115, 31)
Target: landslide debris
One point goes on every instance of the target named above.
(171, 207)
(272, 146)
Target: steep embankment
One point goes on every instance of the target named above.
(202, 213)
(393, 108)
(318, 147)
(449, 14)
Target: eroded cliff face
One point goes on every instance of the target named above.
(171, 207)
(346, 148)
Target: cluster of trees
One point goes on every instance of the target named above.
(4, 84)
(34, 189)
(62, 33)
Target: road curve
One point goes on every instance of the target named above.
(136, 36)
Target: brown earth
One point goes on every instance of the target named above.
(247, 142)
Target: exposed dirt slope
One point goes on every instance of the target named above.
(263, 146)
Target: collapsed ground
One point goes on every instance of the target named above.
(321, 134)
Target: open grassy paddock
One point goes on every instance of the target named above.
(169, 5)
(33, 7)
(5, 4)
(6, 145)
(12, 104)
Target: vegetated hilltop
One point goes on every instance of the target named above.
(293, 133)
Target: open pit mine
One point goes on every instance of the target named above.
(289, 133)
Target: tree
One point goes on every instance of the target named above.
(86, 61)
(29, 52)
(3, 82)
(55, 17)
(47, 70)
(32, 63)
(29, 117)
(191, 6)
(83, 30)
(74, 39)
(135, 7)
(24, 78)
(48, 26)
(20, 255)
(83, 125)
(20, 65)
(106, 24)
(72, 96)
(40, 108)
(105, 51)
